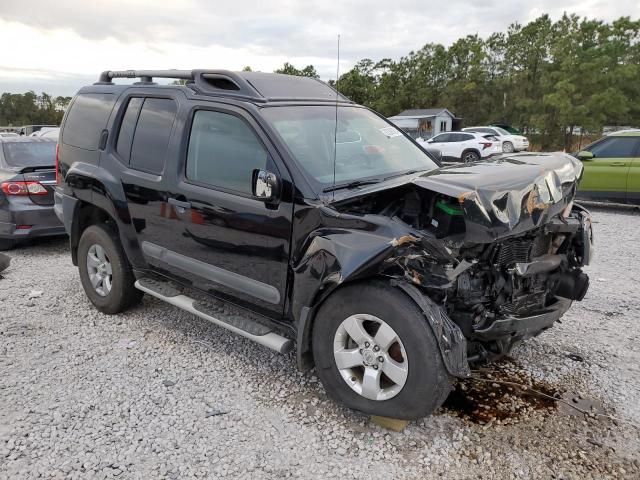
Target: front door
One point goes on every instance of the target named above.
(228, 242)
(605, 175)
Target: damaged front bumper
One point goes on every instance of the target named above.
(524, 327)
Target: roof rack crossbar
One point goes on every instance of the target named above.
(202, 81)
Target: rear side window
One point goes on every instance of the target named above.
(86, 120)
(463, 137)
(127, 127)
(152, 133)
(223, 151)
(615, 147)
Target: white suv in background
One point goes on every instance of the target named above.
(510, 142)
(464, 146)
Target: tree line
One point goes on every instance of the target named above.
(549, 79)
(31, 109)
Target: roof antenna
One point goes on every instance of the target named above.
(335, 132)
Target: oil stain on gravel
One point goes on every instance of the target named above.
(495, 395)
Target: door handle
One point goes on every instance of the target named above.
(182, 206)
(618, 164)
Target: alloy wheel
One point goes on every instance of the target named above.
(370, 357)
(99, 269)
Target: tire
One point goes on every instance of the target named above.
(6, 244)
(118, 293)
(427, 382)
(507, 147)
(469, 156)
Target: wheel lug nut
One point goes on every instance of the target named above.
(375, 367)
(381, 359)
(376, 348)
(366, 344)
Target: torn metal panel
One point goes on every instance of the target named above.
(508, 195)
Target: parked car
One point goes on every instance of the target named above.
(465, 146)
(510, 143)
(47, 132)
(612, 168)
(509, 128)
(389, 273)
(27, 180)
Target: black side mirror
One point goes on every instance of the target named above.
(265, 186)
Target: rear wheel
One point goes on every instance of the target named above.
(470, 156)
(507, 147)
(105, 273)
(375, 353)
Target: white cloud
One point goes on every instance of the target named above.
(65, 42)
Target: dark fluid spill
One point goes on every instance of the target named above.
(487, 400)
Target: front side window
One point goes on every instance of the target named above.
(443, 138)
(151, 137)
(363, 144)
(615, 147)
(224, 151)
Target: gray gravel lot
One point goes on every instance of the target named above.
(157, 393)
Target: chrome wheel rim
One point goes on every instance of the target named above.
(469, 157)
(370, 357)
(507, 147)
(100, 271)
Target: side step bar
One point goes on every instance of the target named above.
(250, 329)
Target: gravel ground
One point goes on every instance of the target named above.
(157, 393)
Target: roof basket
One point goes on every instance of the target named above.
(210, 82)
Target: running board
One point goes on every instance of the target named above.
(250, 329)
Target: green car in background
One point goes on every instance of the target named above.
(612, 168)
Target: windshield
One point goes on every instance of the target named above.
(366, 146)
(29, 154)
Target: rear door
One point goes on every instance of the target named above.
(605, 175)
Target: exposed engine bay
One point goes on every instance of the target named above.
(497, 292)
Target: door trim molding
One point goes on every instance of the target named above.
(235, 281)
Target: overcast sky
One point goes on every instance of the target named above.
(57, 46)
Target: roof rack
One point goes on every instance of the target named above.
(211, 82)
(254, 86)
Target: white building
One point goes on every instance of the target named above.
(426, 122)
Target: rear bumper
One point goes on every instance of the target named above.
(21, 219)
(524, 327)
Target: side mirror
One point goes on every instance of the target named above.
(585, 155)
(430, 140)
(265, 185)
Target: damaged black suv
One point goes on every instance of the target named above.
(327, 227)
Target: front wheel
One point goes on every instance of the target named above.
(507, 147)
(105, 273)
(375, 352)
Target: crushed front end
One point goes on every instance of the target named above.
(498, 246)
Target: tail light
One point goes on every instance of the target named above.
(22, 188)
(57, 164)
(486, 145)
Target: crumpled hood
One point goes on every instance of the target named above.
(508, 195)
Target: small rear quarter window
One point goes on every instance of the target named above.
(86, 119)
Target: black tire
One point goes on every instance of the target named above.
(6, 244)
(427, 383)
(507, 147)
(123, 294)
(469, 156)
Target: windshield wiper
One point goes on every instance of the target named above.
(354, 184)
(408, 172)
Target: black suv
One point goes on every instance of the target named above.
(326, 226)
